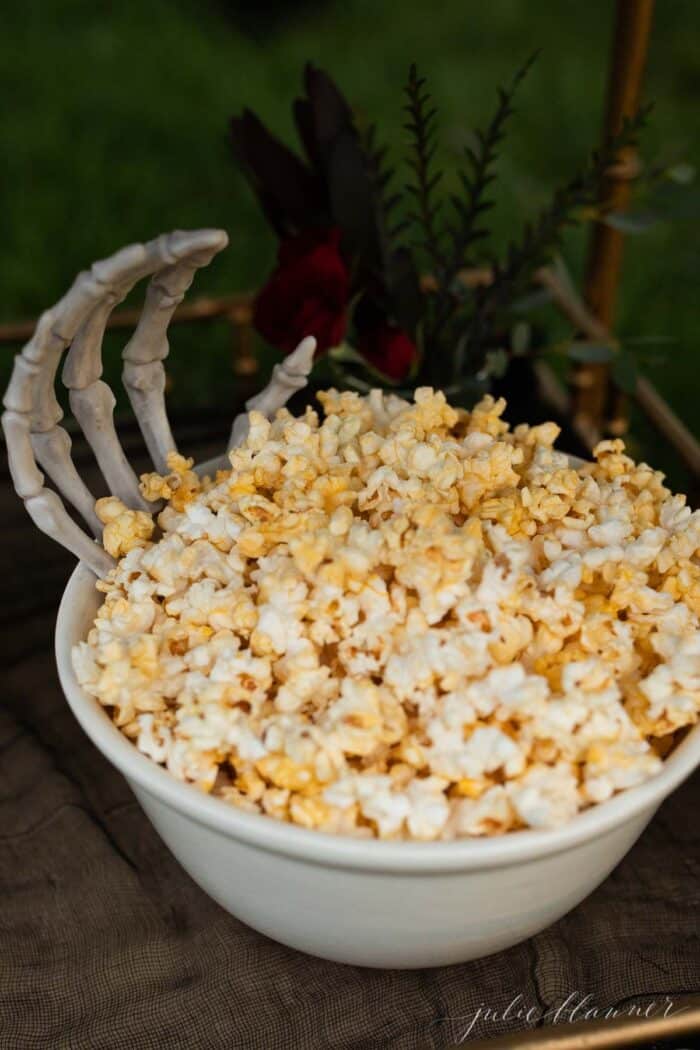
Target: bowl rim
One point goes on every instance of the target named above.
(343, 851)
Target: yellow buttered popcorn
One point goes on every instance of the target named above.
(124, 529)
(404, 620)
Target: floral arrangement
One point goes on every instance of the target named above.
(374, 267)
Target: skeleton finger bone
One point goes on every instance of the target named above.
(144, 374)
(290, 375)
(33, 414)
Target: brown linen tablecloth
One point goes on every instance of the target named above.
(106, 943)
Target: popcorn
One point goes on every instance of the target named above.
(402, 620)
(545, 796)
(179, 486)
(124, 529)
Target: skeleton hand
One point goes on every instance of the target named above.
(32, 418)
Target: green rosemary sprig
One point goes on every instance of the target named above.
(421, 125)
(540, 237)
(479, 174)
(465, 231)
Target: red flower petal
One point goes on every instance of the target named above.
(307, 294)
(389, 349)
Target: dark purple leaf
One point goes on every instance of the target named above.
(332, 114)
(351, 193)
(304, 120)
(290, 193)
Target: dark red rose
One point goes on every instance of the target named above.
(389, 349)
(307, 294)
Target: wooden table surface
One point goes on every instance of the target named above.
(107, 943)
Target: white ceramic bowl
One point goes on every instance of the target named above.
(371, 903)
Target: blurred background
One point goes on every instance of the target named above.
(115, 119)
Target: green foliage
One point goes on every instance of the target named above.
(624, 371)
(630, 221)
(425, 207)
(590, 353)
(468, 321)
(540, 238)
(455, 328)
(479, 174)
(471, 204)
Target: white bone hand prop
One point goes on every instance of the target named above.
(289, 376)
(32, 416)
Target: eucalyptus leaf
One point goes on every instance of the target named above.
(590, 353)
(495, 365)
(683, 174)
(344, 354)
(458, 356)
(624, 372)
(525, 303)
(520, 338)
(630, 221)
(343, 378)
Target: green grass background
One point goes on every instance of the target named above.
(114, 125)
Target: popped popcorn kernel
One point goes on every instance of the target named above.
(179, 486)
(402, 620)
(124, 529)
